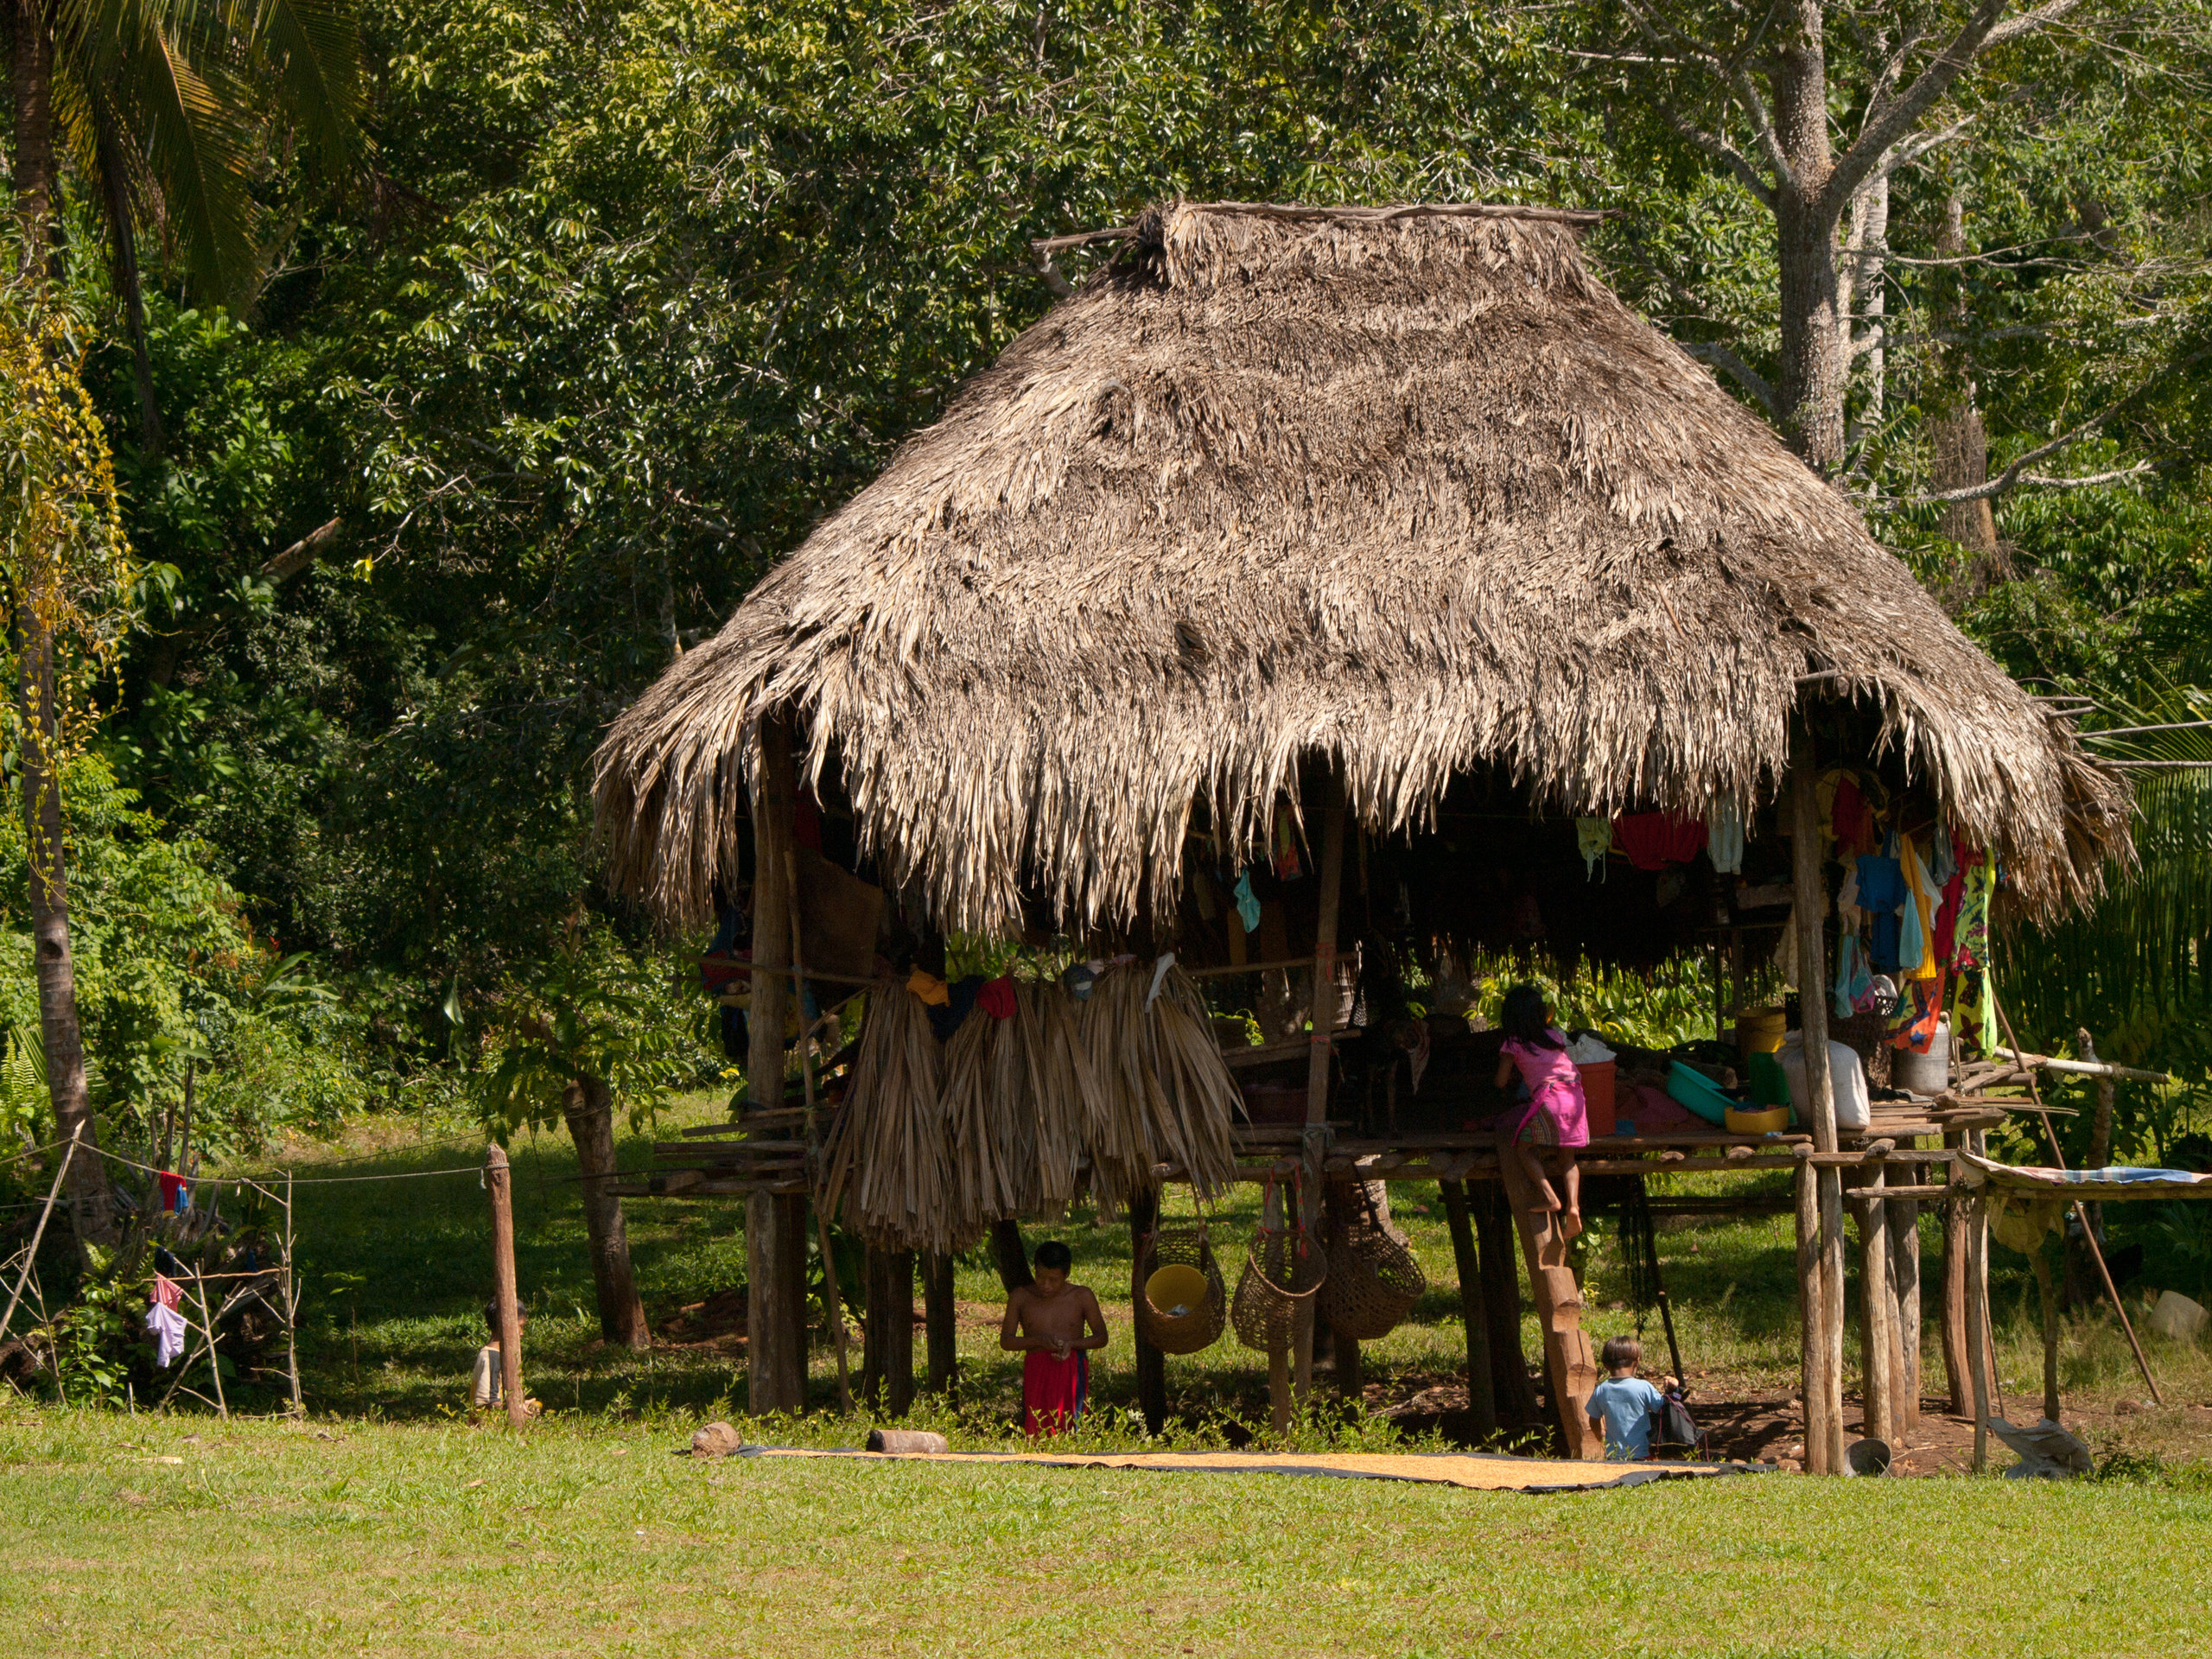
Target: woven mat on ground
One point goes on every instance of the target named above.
(1475, 1471)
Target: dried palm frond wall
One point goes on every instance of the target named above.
(1401, 491)
(935, 1144)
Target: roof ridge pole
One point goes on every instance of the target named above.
(1824, 1391)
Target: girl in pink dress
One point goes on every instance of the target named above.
(1557, 1119)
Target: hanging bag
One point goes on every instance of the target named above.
(1283, 1274)
(1373, 1280)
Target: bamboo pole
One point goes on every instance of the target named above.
(499, 1184)
(1280, 1404)
(2039, 1260)
(1904, 1301)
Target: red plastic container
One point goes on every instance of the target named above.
(1598, 1095)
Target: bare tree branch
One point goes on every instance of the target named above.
(1743, 374)
(1986, 25)
(1733, 81)
(2011, 478)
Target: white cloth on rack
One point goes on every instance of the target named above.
(168, 1326)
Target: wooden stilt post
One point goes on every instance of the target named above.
(1010, 1257)
(291, 1294)
(1810, 893)
(1482, 1393)
(1501, 1277)
(497, 1182)
(1343, 1350)
(1953, 1325)
(1152, 1364)
(1813, 1322)
(775, 1320)
(899, 1331)
(1322, 1012)
(1876, 1339)
(1977, 1324)
(1280, 1405)
(939, 1317)
(2039, 1260)
(1904, 1297)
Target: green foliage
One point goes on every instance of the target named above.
(1669, 1004)
(592, 1014)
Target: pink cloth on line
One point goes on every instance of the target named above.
(1554, 1088)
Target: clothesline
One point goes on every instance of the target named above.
(264, 1182)
(32, 1151)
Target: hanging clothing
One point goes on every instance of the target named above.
(996, 998)
(928, 986)
(1851, 818)
(1054, 1391)
(1882, 892)
(1247, 906)
(1919, 915)
(168, 1326)
(1853, 984)
(1284, 857)
(1913, 1026)
(1723, 842)
(176, 1192)
(1593, 839)
(1655, 840)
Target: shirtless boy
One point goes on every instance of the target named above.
(1054, 1326)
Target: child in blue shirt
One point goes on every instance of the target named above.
(1621, 1405)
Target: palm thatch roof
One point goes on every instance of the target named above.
(1409, 490)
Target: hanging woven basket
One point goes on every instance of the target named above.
(1181, 1303)
(1373, 1280)
(1281, 1276)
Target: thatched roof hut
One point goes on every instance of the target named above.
(1408, 490)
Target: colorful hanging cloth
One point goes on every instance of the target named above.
(1593, 839)
(1723, 842)
(996, 998)
(1917, 940)
(1285, 856)
(1655, 840)
(1882, 893)
(1248, 907)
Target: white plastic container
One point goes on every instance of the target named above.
(1925, 1074)
(1847, 1083)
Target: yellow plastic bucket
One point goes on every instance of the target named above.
(1760, 1031)
(1768, 1120)
(1176, 1291)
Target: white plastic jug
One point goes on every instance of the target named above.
(1847, 1083)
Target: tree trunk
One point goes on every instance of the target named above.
(1815, 348)
(944, 1331)
(1958, 444)
(91, 1214)
(589, 1110)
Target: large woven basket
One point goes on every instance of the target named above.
(1282, 1275)
(1206, 1315)
(1373, 1280)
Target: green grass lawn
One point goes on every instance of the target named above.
(583, 1535)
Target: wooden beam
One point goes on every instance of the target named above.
(499, 1182)
(1810, 891)
(1876, 1341)
(1322, 1012)
(1952, 1321)
(1812, 1324)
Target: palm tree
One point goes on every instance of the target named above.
(162, 108)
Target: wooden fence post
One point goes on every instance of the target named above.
(1813, 1346)
(498, 1183)
(1810, 892)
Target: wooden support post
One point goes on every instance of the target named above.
(291, 1294)
(1977, 1325)
(833, 1312)
(899, 1331)
(1904, 1299)
(497, 1182)
(1152, 1364)
(1813, 1324)
(1280, 1405)
(1810, 893)
(775, 1229)
(1501, 1278)
(1482, 1393)
(940, 1315)
(1953, 1324)
(1338, 1205)
(1322, 1015)
(1568, 1359)
(2039, 1260)
(1877, 1340)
